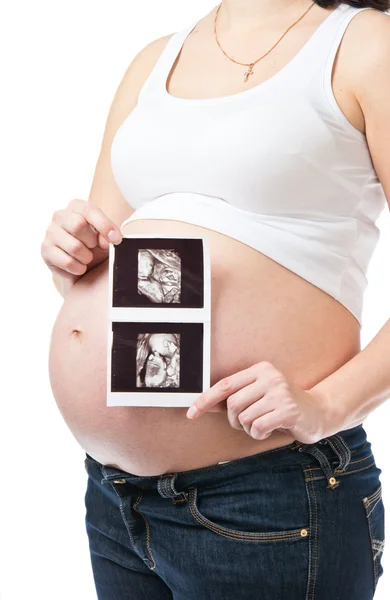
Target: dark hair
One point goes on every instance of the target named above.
(383, 5)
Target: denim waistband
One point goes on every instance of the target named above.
(339, 444)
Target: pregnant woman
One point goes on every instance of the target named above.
(264, 126)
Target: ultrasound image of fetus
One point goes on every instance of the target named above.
(159, 275)
(158, 360)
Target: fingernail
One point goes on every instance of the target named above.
(192, 412)
(114, 236)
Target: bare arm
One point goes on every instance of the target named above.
(104, 192)
(363, 383)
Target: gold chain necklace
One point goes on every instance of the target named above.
(252, 64)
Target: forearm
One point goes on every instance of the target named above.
(363, 383)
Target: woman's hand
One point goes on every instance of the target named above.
(77, 236)
(260, 400)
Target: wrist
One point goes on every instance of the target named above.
(334, 415)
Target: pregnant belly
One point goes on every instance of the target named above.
(259, 311)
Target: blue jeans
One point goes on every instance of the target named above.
(300, 522)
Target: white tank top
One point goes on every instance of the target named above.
(277, 167)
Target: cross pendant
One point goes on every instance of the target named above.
(248, 72)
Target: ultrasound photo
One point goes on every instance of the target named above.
(157, 363)
(164, 272)
(159, 274)
(159, 313)
(158, 360)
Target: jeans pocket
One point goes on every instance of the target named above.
(208, 514)
(375, 513)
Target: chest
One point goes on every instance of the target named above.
(246, 155)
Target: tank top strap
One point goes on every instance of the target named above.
(319, 53)
(336, 34)
(155, 84)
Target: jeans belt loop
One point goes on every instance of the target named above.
(324, 463)
(340, 447)
(166, 488)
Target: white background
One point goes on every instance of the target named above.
(61, 63)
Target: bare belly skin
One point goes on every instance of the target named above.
(259, 311)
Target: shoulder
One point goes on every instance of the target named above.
(371, 29)
(366, 33)
(153, 49)
(366, 21)
(368, 50)
(374, 30)
(144, 61)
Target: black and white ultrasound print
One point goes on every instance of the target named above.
(159, 275)
(161, 272)
(158, 360)
(159, 312)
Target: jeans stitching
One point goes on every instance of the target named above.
(342, 443)
(313, 538)
(339, 448)
(372, 551)
(174, 490)
(121, 508)
(162, 486)
(125, 522)
(166, 484)
(122, 511)
(370, 499)
(316, 546)
(147, 529)
(344, 451)
(340, 474)
(238, 535)
(312, 541)
(352, 462)
(373, 507)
